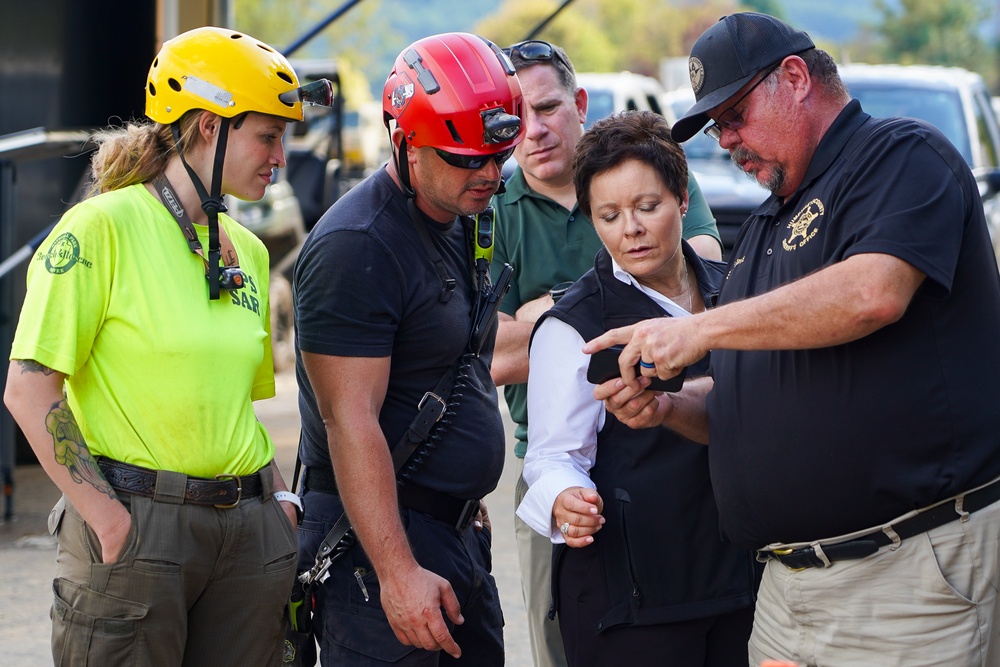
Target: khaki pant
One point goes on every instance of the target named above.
(195, 585)
(534, 553)
(932, 601)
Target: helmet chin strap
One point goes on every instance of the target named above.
(211, 204)
(403, 170)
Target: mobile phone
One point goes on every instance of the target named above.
(604, 366)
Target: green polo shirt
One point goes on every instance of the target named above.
(547, 245)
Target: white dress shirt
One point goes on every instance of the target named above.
(563, 415)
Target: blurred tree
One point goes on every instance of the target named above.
(360, 41)
(700, 16)
(644, 31)
(935, 32)
(610, 35)
(587, 43)
(773, 7)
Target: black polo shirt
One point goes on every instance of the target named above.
(808, 444)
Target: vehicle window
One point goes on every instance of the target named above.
(984, 116)
(601, 103)
(940, 108)
(654, 104)
(700, 146)
(630, 105)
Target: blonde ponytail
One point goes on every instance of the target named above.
(136, 153)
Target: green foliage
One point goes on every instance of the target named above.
(636, 35)
(609, 35)
(282, 22)
(772, 7)
(644, 31)
(589, 47)
(937, 32)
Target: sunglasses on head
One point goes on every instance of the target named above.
(534, 50)
(474, 161)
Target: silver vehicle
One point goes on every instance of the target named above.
(609, 92)
(952, 99)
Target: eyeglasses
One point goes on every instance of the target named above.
(317, 93)
(474, 161)
(730, 119)
(534, 50)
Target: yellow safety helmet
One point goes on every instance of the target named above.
(227, 73)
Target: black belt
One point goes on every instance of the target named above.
(939, 515)
(454, 511)
(223, 491)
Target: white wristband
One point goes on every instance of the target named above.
(290, 497)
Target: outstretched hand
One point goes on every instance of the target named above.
(665, 345)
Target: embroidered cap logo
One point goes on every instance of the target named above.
(697, 73)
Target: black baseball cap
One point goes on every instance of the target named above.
(728, 55)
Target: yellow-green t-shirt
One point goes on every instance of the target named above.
(159, 375)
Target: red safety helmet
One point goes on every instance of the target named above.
(456, 92)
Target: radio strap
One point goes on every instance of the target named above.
(447, 282)
(168, 197)
(429, 411)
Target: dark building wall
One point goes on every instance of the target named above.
(69, 64)
(64, 64)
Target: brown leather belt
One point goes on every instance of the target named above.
(223, 491)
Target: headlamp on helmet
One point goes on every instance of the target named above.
(499, 126)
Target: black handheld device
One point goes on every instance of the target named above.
(484, 234)
(487, 310)
(604, 366)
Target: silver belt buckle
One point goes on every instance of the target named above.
(239, 490)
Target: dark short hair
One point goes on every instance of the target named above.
(629, 135)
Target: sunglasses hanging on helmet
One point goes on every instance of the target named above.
(318, 93)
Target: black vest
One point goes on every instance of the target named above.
(660, 551)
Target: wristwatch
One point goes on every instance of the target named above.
(293, 499)
(557, 291)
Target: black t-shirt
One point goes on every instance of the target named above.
(365, 287)
(809, 444)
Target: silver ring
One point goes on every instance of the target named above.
(646, 364)
(564, 529)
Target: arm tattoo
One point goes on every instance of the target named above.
(70, 449)
(32, 366)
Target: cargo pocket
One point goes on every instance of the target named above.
(91, 628)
